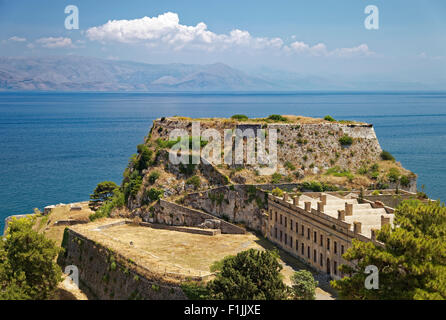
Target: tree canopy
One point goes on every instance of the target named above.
(411, 262)
(103, 192)
(250, 275)
(304, 285)
(27, 263)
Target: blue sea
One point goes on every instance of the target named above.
(55, 147)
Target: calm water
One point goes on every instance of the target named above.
(56, 147)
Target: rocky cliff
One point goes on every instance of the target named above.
(339, 154)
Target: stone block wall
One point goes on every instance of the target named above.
(318, 143)
(238, 203)
(109, 276)
(170, 213)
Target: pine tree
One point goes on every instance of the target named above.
(411, 262)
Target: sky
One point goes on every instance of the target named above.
(318, 38)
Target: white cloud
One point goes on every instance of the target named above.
(319, 49)
(165, 30)
(17, 39)
(361, 50)
(51, 42)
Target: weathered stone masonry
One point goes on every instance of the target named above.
(108, 275)
(317, 237)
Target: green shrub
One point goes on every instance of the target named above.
(304, 285)
(277, 117)
(338, 172)
(133, 185)
(290, 166)
(404, 180)
(393, 175)
(167, 144)
(381, 185)
(277, 192)
(144, 159)
(422, 195)
(346, 140)
(276, 177)
(317, 186)
(329, 118)
(118, 201)
(385, 155)
(195, 181)
(154, 175)
(154, 194)
(374, 175)
(239, 117)
(195, 291)
(363, 170)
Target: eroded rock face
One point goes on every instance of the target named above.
(240, 204)
(318, 143)
(305, 149)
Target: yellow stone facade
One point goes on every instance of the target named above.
(319, 228)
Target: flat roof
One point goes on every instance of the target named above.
(172, 252)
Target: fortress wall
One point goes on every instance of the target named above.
(235, 203)
(319, 142)
(121, 282)
(170, 213)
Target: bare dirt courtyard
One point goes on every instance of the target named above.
(182, 253)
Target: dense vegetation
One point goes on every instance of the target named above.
(103, 192)
(304, 285)
(27, 263)
(412, 262)
(252, 275)
(110, 196)
(317, 186)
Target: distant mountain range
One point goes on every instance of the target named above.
(74, 73)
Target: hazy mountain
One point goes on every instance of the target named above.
(74, 73)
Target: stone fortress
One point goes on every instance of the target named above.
(328, 197)
(315, 227)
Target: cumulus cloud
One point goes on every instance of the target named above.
(319, 49)
(166, 30)
(17, 39)
(52, 42)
